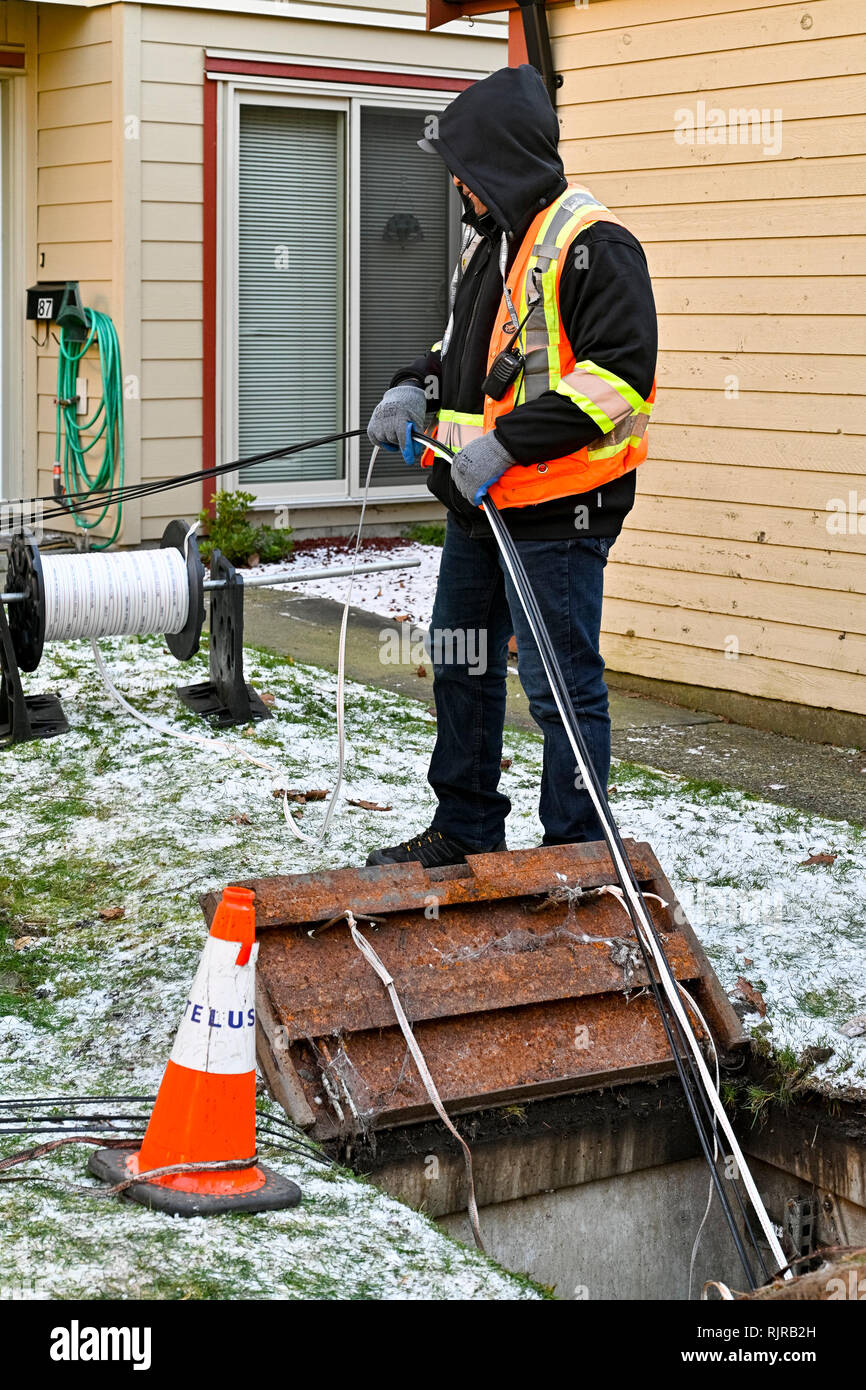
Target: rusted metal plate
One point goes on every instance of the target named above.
(296, 899)
(468, 959)
(477, 1060)
(519, 981)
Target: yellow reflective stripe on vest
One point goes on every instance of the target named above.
(602, 395)
(457, 417)
(456, 428)
(606, 451)
(575, 205)
(621, 387)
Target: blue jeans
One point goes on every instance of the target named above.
(475, 612)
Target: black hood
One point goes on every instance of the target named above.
(500, 138)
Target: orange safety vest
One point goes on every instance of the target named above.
(621, 413)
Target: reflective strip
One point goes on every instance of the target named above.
(455, 428)
(621, 387)
(545, 252)
(604, 397)
(591, 406)
(606, 451)
(437, 346)
(459, 418)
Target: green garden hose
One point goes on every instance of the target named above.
(106, 422)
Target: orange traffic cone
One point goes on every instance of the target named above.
(205, 1111)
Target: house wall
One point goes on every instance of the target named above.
(76, 220)
(118, 194)
(172, 58)
(726, 575)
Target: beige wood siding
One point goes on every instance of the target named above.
(726, 575)
(74, 186)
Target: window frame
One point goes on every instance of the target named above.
(349, 98)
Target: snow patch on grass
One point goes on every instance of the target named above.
(392, 593)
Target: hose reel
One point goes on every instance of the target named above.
(143, 592)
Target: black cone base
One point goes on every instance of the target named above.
(276, 1194)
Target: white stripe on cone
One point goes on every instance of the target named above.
(218, 1030)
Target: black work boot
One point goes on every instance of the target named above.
(431, 849)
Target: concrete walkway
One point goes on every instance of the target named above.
(809, 776)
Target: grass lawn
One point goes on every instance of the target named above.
(114, 816)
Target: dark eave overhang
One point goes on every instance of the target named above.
(535, 32)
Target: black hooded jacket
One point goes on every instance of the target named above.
(500, 138)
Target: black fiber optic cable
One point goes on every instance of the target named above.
(670, 1022)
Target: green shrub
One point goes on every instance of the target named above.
(237, 538)
(427, 532)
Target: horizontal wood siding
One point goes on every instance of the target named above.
(73, 189)
(728, 573)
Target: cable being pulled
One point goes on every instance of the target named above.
(674, 1019)
(374, 960)
(160, 599)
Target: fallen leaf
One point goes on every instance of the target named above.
(112, 914)
(401, 617)
(23, 942)
(814, 1056)
(268, 699)
(368, 805)
(747, 961)
(505, 764)
(242, 819)
(422, 671)
(824, 858)
(751, 995)
(302, 797)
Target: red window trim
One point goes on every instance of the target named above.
(11, 58)
(258, 68)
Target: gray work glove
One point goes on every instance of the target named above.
(479, 464)
(400, 411)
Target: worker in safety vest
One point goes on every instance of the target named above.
(544, 382)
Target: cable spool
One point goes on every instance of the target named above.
(122, 594)
(64, 597)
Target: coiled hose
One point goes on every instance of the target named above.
(75, 439)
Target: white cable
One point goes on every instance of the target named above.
(387, 979)
(341, 657)
(123, 594)
(723, 1289)
(710, 1040)
(616, 892)
(220, 744)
